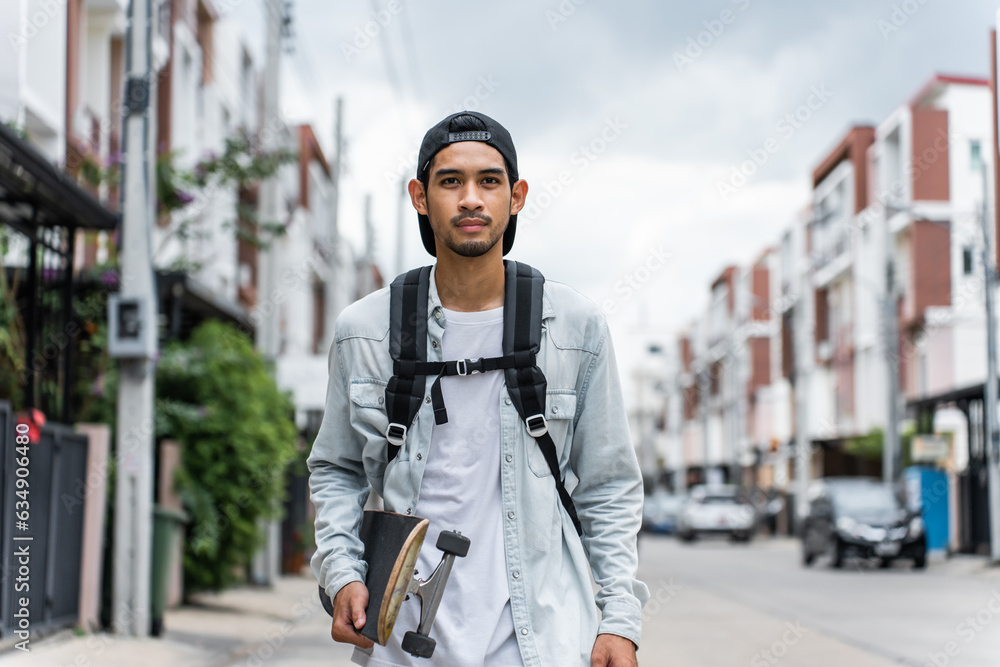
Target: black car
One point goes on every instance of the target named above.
(860, 517)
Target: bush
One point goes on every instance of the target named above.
(216, 396)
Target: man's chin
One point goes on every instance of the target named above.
(472, 248)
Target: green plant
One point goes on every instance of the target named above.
(868, 446)
(242, 165)
(12, 335)
(216, 396)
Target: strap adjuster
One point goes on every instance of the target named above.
(396, 434)
(537, 426)
(469, 366)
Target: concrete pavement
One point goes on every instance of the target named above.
(282, 626)
(713, 605)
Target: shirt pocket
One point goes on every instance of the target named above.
(560, 410)
(368, 406)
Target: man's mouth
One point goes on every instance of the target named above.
(471, 224)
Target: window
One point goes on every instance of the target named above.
(975, 155)
(967, 260)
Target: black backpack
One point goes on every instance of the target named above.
(522, 334)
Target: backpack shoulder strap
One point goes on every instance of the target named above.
(407, 346)
(526, 382)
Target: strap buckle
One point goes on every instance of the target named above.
(537, 426)
(396, 434)
(469, 366)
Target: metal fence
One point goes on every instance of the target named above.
(42, 550)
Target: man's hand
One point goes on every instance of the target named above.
(349, 615)
(613, 651)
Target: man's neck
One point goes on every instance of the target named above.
(470, 283)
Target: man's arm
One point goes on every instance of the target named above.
(338, 487)
(608, 497)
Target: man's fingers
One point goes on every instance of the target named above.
(358, 612)
(349, 615)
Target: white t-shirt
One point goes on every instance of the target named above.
(461, 491)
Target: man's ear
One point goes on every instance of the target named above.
(518, 193)
(418, 196)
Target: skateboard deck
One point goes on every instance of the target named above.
(392, 543)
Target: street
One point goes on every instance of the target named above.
(713, 604)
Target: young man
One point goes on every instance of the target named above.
(523, 594)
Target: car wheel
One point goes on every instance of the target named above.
(837, 557)
(807, 557)
(885, 563)
(920, 560)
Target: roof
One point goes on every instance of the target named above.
(939, 81)
(35, 193)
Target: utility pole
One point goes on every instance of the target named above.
(265, 562)
(990, 390)
(336, 269)
(704, 386)
(803, 364)
(130, 612)
(368, 280)
(401, 225)
(891, 449)
(338, 162)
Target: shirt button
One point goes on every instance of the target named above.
(510, 515)
(555, 409)
(507, 401)
(409, 510)
(524, 631)
(434, 343)
(420, 456)
(427, 400)
(508, 458)
(381, 400)
(516, 574)
(437, 314)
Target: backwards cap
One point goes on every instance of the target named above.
(441, 136)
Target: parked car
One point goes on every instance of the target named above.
(860, 517)
(716, 510)
(660, 510)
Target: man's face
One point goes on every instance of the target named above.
(468, 199)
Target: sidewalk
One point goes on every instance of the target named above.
(282, 626)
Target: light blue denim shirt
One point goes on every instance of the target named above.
(557, 614)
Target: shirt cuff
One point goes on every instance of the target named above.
(344, 571)
(622, 616)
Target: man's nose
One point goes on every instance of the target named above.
(472, 199)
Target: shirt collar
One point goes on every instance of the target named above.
(434, 301)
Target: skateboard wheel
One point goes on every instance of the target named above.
(418, 645)
(451, 542)
(327, 602)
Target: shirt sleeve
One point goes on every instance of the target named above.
(338, 486)
(608, 497)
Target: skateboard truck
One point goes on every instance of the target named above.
(419, 643)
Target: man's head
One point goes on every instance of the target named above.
(467, 192)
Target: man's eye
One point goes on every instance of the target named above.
(492, 180)
(449, 181)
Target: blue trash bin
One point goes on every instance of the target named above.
(927, 491)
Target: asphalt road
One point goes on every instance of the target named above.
(716, 603)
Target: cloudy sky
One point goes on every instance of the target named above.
(628, 117)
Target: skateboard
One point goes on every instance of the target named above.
(392, 543)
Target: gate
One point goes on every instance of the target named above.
(52, 535)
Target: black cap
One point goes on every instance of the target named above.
(442, 135)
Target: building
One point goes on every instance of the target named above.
(799, 344)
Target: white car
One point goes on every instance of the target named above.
(716, 510)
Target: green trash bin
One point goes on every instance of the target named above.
(166, 530)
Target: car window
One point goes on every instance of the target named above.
(865, 499)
